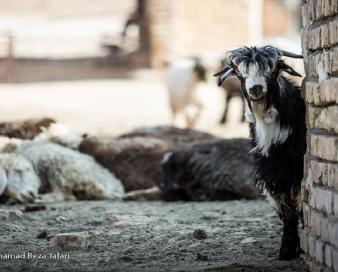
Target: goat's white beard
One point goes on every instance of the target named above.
(267, 128)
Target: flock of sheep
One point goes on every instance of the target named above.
(42, 160)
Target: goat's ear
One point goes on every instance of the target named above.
(283, 67)
(225, 73)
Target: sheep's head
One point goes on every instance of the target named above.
(18, 180)
(256, 68)
(200, 70)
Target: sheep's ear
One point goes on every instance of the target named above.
(201, 71)
(283, 67)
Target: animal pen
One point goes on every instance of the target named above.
(120, 151)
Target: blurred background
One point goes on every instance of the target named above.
(100, 66)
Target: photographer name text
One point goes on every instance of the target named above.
(35, 256)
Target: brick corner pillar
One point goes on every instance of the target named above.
(319, 238)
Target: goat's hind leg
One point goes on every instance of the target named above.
(290, 247)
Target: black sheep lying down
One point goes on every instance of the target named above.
(277, 126)
(218, 170)
(223, 168)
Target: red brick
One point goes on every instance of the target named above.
(324, 147)
(324, 118)
(320, 63)
(324, 9)
(327, 92)
(323, 93)
(310, 90)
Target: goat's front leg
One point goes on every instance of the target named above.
(290, 240)
(243, 110)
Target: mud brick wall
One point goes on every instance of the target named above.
(189, 27)
(319, 238)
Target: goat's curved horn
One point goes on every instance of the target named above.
(226, 68)
(291, 55)
(223, 77)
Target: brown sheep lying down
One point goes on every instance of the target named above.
(192, 164)
(135, 158)
(27, 129)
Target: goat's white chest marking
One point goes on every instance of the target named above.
(268, 131)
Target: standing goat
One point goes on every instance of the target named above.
(183, 77)
(276, 118)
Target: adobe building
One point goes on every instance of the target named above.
(166, 28)
(319, 238)
(189, 27)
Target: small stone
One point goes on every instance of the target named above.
(200, 257)
(69, 241)
(200, 234)
(42, 235)
(126, 259)
(248, 240)
(34, 208)
(10, 214)
(60, 219)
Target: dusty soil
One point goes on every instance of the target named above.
(149, 236)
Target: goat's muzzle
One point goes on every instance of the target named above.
(256, 93)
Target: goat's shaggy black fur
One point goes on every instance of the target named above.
(278, 170)
(281, 172)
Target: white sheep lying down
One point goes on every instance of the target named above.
(57, 172)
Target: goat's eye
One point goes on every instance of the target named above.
(239, 73)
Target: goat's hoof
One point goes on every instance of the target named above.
(287, 254)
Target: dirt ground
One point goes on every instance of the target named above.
(149, 236)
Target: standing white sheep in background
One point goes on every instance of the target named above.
(183, 77)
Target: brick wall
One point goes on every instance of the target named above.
(319, 238)
(191, 27)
